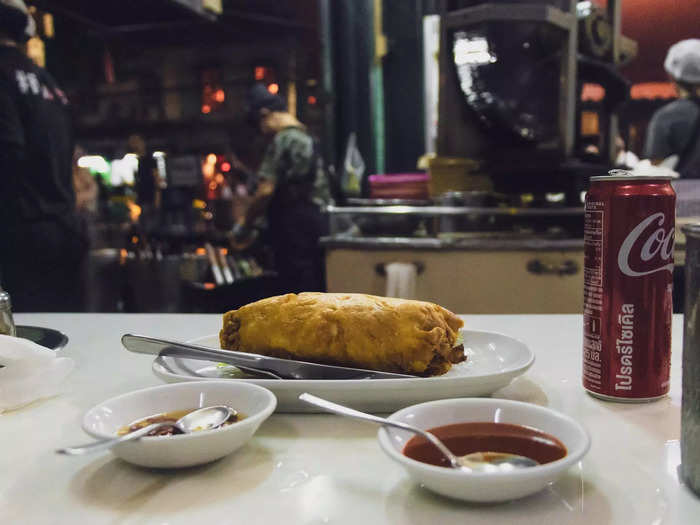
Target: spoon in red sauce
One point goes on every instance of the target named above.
(474, 462)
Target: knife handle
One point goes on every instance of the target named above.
(150, 345)
(143, 345)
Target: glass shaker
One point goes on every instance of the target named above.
(7, 325)
(690, 408)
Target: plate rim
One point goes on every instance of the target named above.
(512, 372)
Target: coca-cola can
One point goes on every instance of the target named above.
(628, 281)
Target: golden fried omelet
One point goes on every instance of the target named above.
(356, 330)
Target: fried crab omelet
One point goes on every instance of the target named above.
(354, 330)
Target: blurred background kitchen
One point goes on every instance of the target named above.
(446, 145)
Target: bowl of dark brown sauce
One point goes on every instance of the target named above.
(168, 447)
(554, 440)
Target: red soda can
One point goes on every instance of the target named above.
(628, 281)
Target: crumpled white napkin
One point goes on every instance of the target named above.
(645, 167)
(29, 372)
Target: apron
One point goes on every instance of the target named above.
(296, 224)
(42, 264)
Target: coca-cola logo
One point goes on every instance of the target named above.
(647, 248)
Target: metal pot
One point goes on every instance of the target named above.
(468, 222)
(390, 225)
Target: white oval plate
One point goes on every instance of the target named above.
(493, 361)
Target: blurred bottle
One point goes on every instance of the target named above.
(223, 208)
(353, 169)
(690, 405)
(7, 324)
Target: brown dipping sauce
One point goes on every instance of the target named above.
(465, 438)
(167, 416)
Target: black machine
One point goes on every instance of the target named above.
(516, 71)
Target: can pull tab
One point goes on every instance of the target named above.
(619, 173)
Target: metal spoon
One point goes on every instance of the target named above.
(205, 418)
(474, 462)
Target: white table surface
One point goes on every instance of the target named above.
(317, 469)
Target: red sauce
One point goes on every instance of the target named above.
(465, 438)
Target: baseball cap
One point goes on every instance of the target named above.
(16, 20)
(16, 4)
(260, 98)
(683, 61)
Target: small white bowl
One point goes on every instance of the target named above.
(183, 450)
(485, 487)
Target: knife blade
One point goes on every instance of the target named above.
(271, 366)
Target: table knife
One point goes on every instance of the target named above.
(271, 367)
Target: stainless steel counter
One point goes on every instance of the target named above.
(433, 211)
(477, 243)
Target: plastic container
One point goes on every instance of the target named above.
(456, 174)
(399, 186)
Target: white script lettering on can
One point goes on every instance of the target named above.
(660, 243)
(625, 347)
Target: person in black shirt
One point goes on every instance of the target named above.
(674, 129)
(42, 244)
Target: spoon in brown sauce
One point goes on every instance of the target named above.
(201, 419)
(474, 462)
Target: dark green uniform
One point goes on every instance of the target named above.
(289, 159)
(295, 217)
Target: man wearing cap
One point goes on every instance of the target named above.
(42, 244)
(292, 191)
(674, 129)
